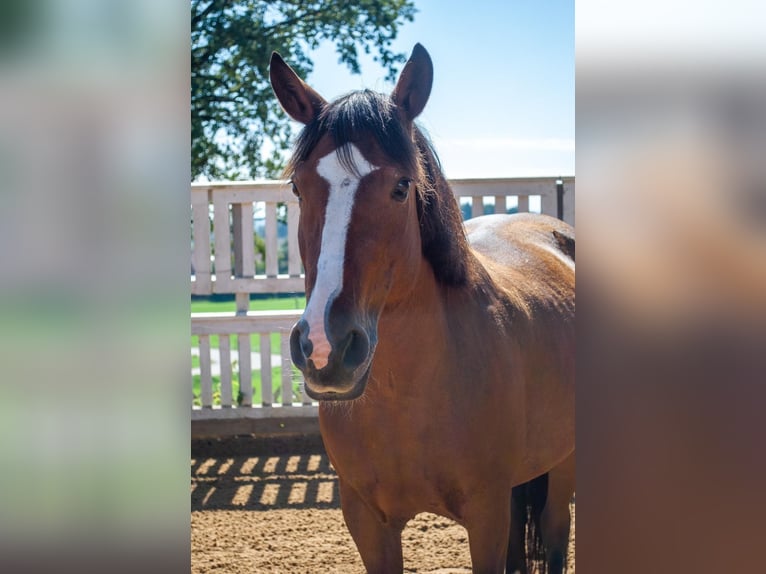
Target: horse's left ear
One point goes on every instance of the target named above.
(414, 85)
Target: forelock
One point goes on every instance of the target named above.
(353, 118)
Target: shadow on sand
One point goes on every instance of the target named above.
(262, 474)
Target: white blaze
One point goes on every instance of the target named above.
(329, 281)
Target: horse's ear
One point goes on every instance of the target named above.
(414, 85)
(298, 99)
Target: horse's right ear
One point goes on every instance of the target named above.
(297, 98)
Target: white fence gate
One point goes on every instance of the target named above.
(226, 217)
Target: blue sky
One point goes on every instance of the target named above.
(502, 103)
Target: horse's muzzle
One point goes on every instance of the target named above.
(347, 368)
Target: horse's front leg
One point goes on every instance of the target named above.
(488, 522)
(379, 544)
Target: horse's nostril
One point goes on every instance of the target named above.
(357, 347)
(300, 345)
(306, 345)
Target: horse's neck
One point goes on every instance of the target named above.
(422, 335)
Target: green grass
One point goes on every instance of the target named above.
(272, 304)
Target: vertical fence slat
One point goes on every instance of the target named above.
(245, 370)
(477, 206)
(272, 262)
(549, 202)
(242, 302)
(244, 249)
(222, 234)
(224, 356)
(500, 204)
(286, 370)
(205, 377)
(293, 253)
(236, 234)
(523, 204)
(248, 236)
(569, 202)
(201, 235)
(267, 394)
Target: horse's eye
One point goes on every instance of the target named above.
(402, 189)
(296, 193)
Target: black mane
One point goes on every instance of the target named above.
(359, 115)
(354, 117)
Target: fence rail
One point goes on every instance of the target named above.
(226, 219)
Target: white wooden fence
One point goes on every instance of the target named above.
(224, 217)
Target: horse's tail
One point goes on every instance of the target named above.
(526, 551)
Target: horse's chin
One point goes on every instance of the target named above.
(337, 393)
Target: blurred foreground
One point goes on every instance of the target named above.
(671, 116)
(94, 228)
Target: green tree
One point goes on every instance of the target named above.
(233, 110)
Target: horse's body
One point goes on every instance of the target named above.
(445, 372)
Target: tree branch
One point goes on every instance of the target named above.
(197, 18)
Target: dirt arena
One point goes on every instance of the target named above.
(271, 505)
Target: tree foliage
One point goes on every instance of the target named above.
(233, 110)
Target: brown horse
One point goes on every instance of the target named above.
(443, 361)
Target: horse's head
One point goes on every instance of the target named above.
(357, 171)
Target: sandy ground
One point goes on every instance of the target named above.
(271, 505)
